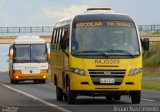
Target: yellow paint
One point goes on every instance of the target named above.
(17, 73)
(58, 66)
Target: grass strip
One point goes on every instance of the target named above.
(151, 84)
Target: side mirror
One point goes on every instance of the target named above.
(10, 54)
(145, 44)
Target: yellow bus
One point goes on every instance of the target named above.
(28, 59)
(97, 53)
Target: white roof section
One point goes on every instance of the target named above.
(27, 39)
(67, 20)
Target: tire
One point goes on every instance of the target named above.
(71, 96)
(136, 97)
(59, 94)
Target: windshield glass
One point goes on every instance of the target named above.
(110, 37)
(30, 53)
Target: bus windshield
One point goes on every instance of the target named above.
(116, 38)
(30, 53)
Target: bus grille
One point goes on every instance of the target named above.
(116, 75)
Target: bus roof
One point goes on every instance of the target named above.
(92, 15)
(27, 39)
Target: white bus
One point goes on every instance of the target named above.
(28, 59)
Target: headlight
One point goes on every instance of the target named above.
(78, 71)
(135, 71)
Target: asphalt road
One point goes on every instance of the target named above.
(29, 97)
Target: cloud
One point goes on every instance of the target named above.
(49, 16)
(44, 16)
(72, 10)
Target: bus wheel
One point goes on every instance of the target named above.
(59, 94)
(136, 97)
(71, 96)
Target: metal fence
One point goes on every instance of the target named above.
(151, 29)
(15, 31)
(47, 30)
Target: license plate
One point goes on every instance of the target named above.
(30, 77)
(106, 81)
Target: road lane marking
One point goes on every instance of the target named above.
(36, 98)
(147, 99)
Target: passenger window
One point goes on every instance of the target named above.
(58, 41)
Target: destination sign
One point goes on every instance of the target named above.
(88, 24)
(120, 24)
(104, 23)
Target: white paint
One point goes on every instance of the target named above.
(28, 39)
(36, 98)
(30, 66)
(147, 100)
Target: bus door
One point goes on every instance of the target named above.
(65, 48)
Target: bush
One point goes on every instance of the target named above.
(152, 57)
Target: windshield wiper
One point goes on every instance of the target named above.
(120, 51)
(107, 53)
(101, 52)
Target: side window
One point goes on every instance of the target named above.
(55, 35)
(66, 36)
(53, 40)
(58, 40)
(62, 34)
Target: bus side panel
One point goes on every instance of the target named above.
(52, 68)
(57, 68)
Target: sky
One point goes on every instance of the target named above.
(17, 13)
